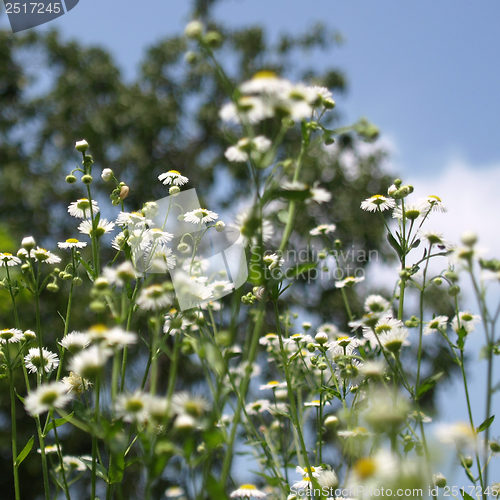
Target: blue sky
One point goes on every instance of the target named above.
(426, 72)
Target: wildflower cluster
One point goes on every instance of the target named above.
(324, 407)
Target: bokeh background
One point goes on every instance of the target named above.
(426, 73)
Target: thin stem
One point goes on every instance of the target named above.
(94, 440)
(13, 424)
(59, 454)
(226, 466)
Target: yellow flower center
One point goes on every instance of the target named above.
(434, 197)
(264, 74)
(174, 172)
(247, 487)
(365, 467)
(72, 240)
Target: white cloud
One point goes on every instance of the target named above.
(471, 194)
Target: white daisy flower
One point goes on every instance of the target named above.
(134, 219)
(307, 474)
(393, 340)
(45, 256)
(132, 407)
(11, 336)
(75, 341)
(323, 229)
(384, 325)
(412, 211)
(81, 208)
(436, 324)
(76, 384)
(349, 281)
(154, 297)
(103, 226)
(258, 406)
(29, 335)
(173, 177)
(273, 261)
(7, 259)
(117, 338)
(460, 434)
(34, 361)
(376, 304)
(71, 243)
(188, 404)
(119, 241)
(272, 384)
(121, 274)
(247, 491)
(435, 203)
(377, 202)
(174, 492)
(73, 464)
(90, 362)
(466, 320)
(269, 340)
(200, 216)
(319, 194)
(246, 225)
(244, 148)
(45, 397)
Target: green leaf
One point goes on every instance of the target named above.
(428, 384)
(57, 423)
(486, 424)
(465, 495)
(394, 244)
(301, 268)
(25, 451)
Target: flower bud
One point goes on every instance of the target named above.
(469, 239)
(331, 421)
(321, 338)
(124, 190)
(467, 462)
(70, 179)
(81, 146)
(87, 179)
(28, 243)
(97, 306)
(220, 226)
(194, 29)
(77, 281)
(439, 480)
(101, 283)
(454, 290)
(495, 446)
(174, 190)
(213, 39)
(52, 288)
(322, 366)
(191, 57)
(107, 174)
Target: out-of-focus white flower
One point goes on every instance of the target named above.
(323, 229)
(45, 397)
(247, 491)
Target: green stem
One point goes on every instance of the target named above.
(59, 454)
(94, 439)
(226, 466)
(13, 424)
